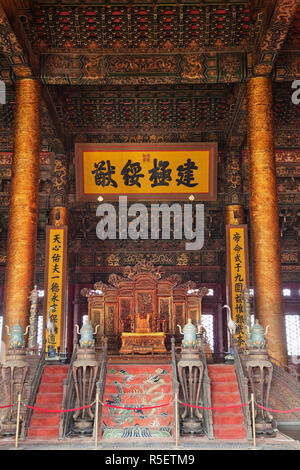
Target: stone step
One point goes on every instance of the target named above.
(225, 387)
(232, 431)
(55, 406)
(48, 398)
(51, 388)
(43, 433)
(53, 379)
(227, 378)
(228, 411)
(227, 419)
(45, 420)
(225, 398)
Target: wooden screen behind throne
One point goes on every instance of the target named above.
(142, 291)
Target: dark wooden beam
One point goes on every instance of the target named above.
(230, 137)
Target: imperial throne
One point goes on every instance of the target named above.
(143, 324)
(143, 340)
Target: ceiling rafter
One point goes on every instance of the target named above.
(231, 141)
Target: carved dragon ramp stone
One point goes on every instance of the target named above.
(133, 384)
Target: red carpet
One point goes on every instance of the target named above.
(43, 425)
(227, 423)
(134, 385)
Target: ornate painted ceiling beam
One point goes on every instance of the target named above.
(281, 14)
(145, 42)
(287, 67)
(120, 69)
(147, 111)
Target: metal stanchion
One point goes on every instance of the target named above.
(176, 420)
(176, 400)
(96, 419)
(18, 421)
(253, 420)
(253, 424)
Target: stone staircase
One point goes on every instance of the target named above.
(134, 385)
(227, 423)
(43, 425)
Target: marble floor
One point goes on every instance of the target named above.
(280, 442)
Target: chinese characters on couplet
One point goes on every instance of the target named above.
(159, 175)
(55, 285)
(55, 288)
(238, 277)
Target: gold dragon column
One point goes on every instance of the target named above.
(265, 233)
(23, 215)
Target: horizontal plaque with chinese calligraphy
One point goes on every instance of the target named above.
(146, 171)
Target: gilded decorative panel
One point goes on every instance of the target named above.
(109, 319)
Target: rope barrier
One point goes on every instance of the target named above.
(215, 407)
(277, 411)
(57, 411)
(141, 408)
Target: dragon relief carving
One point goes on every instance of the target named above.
(140, 267)
(60, 175)
(193, 67)
(94, 69)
